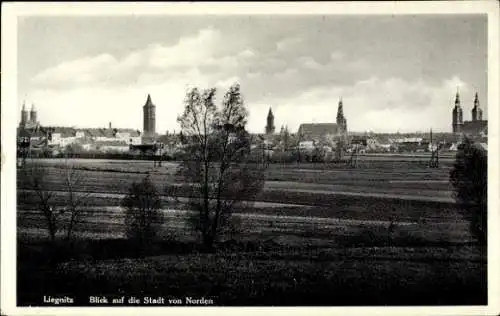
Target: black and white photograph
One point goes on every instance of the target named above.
(249, 155)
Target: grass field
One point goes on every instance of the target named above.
(411, 178)
(318, 235)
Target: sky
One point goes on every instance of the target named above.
(393, 72)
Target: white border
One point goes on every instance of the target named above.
(10, 12)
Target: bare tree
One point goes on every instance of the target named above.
(34, 179)
(216, 164)
(58, 216)
(75, 201)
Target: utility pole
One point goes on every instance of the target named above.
(159, 162)
(264, 154)
(353, 160)
(299, 137)
(437, 155)
(263, 146)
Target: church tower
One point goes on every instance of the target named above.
(24, 115)
(457, 116)
(149, 127)
(477, 112)
(270, 123)
(341, 120)
(33, 114)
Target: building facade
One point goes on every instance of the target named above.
(101, 139)
(476, 127)
(31, 120)
(325, 132)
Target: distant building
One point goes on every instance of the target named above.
(359, 140)
(476, 127)
(80, 134)
(341, 120)
(412, 144)
(149, 127)
(306, 145)
(64, 136)
(31, 121)
(318, 132)
(107, 139)
(270, 128)
(112, 147)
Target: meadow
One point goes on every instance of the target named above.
(318, 234)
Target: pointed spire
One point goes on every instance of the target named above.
(457, 99)
(148, 101)
(476, 100)
(24, 106)
(33, 109)
(270, 122)
(340, 110)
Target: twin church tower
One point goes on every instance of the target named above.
(32, 120)
(470, 127)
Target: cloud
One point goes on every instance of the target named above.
(79, 71)
(188, 52)
(336, 56)
(224, 84)
(206, 57)
(300, 85)
(308, 62)
(246, 54)
(156, 63)
(288, 44)
(96, 106)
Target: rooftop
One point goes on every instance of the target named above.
(317, 130)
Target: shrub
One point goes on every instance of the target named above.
(469, 178)
(143, 217)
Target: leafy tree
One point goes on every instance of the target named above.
(143, 217)
(216, 163)
(469, 178)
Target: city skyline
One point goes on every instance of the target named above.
(393, 73)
